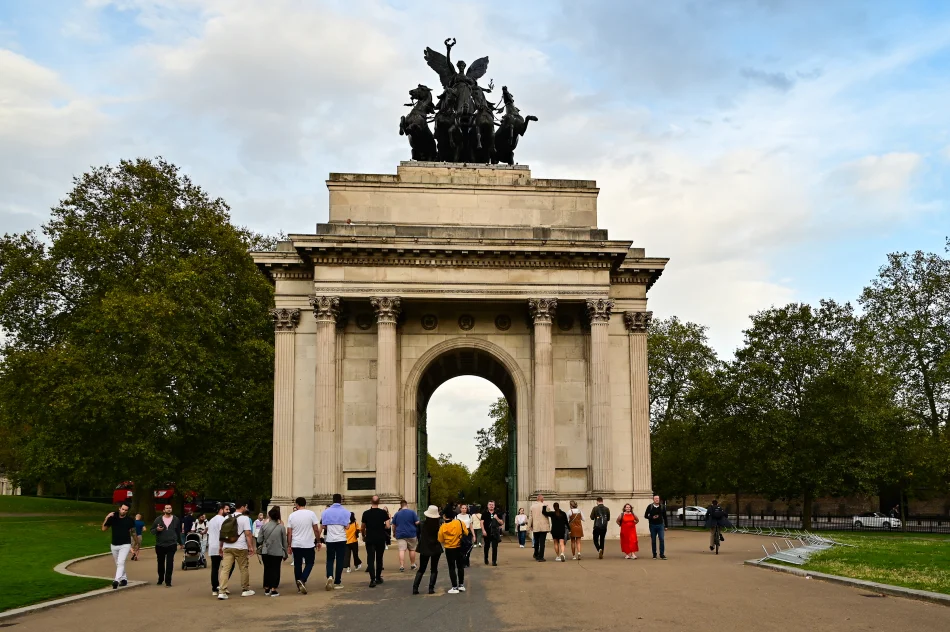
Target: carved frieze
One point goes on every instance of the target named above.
(387, 308)
(285, 319)
(637, 322)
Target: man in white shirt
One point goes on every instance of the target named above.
(236, 554)
(214, 545)
(302, 532)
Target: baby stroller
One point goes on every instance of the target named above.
(193, 557)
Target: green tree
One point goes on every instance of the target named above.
(138, 339)
(450, 481)
(488, 479)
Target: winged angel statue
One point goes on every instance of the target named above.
(464, 117)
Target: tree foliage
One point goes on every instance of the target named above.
(450, 481)
(138, 339)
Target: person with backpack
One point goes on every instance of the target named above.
(450, 537)
(492, 523)
(214, 545)
(575, 525)
(238, 545)
(656, 518)
(600, 516)
(166, 528)
(429, 549)
(716, 516)
(272, 543)
(303, 529)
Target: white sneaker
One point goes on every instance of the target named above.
(522, 546)
(338, 587)
(574, 557)
(461, 588)
(557, 558)
(248, 593)
(329, 583)
(214, 593)
(222, 595)
(275, 594)
(359, 566)
(301, 587)
(453, 591)
(578, 556)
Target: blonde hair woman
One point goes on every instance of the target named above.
(575, 524)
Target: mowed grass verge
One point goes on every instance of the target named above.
(31, 546)
(911, 561)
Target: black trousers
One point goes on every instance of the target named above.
(433, 570)
(456, 567)
(374, 559)
(539, 537)
(599, 535)
(166, 562)
(353, 554)
(272, 570)
(491, 543)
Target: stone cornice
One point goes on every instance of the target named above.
(326, 309)
(353, 290)
(458, 262)
(637, 322)
(387, 308)
(542, 309)
(598, 309)
(285, 319)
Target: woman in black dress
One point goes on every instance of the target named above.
(558, 530)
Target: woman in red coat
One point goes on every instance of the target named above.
(628, 532)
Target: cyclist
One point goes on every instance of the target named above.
(716, 518)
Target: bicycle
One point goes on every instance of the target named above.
(717, 536)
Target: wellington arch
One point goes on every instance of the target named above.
(449, 269)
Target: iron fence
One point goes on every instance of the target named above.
(821, 522)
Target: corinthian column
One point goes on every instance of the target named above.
(326, 310)
(282, 479)
(637, 325)
(387, 443)
(601, 463)
(542, 312)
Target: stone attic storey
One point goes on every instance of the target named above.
(449, 269)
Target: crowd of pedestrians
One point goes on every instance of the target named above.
(230, 539)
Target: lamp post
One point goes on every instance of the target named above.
(428, 488)
(507, 502)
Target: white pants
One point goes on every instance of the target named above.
(119, 554)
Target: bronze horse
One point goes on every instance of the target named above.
(415, 125)
(513, 126)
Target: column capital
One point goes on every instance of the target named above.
(285, 319)
(542, 309)
(598, 309)
(637, 322)
(326, 309)
(387, 308)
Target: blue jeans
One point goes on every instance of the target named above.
(658, 531)
(522, 537)
(336, 552)
(303, 563)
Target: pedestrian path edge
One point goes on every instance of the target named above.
(887, 589)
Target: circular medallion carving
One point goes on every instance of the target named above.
(466, 322)
(430, 322)
(565, 322)
(503, 322)
(364, 321)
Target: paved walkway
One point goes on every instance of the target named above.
(694, 588)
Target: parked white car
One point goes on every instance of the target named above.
(691, 512)
(875, 520)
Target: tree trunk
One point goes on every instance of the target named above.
(738, 511)
(40, 488)
(143, 501)
(806, 510)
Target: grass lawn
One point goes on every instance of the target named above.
(31, 546)
(914, 561)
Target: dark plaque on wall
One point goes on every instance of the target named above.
(356, 484)
(565, 322)
(430, 322)
(466, 322)
(503, 322)
(364, 321)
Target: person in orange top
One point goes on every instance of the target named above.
(450, 537)
(352, 544)
(628, 532)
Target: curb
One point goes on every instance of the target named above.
(887, 589)
(63, 569)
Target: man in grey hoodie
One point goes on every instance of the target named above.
(166, 528)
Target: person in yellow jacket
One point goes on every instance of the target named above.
(450, 537)
(352, 544)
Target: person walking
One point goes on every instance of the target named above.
(256, 528)
(272, 543)
(137, 544)
(575, 525)
(187, 524)
(374, 525)
(165, 529)
(123, 532)
(468, 542)
(493, 522)
(476, 527)
(539, 525)
(656, 518)
(521, 526)
(430, 550)
(628, 532)
(600, 516)
(450, 537)
(406, 526)
(558, 531)
(302, 533)
(236, 551)
(335, 519)
(352, 544)
(214, 545)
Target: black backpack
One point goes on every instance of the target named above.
(717, 513)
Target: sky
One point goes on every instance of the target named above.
(775, 150)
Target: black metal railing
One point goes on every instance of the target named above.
(820, 522)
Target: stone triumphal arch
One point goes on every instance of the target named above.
(452, 269)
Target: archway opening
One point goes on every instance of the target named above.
(454, 419)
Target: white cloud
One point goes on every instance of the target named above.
(888, 173)
(457, 410)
